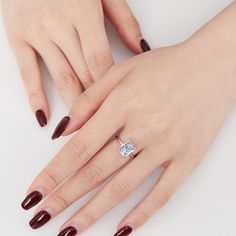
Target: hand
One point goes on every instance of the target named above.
(169, 102)
(70, 37)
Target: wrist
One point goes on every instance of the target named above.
(214, 48)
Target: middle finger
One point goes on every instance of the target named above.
(60, 70)
(92, 175)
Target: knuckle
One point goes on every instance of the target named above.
(64, 79)
(179, 140)
(142, 217)
(94, 175)
(119, 190)
(129, 22)
(100, 60)
(27, 74)
(163, 197)
(60, 201)
(87, 219)
(50, 177)
(78, 149)
(34, 96)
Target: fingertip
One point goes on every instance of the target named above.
(61, 127)
(144, 45)
(124, 231)
(41, 117)
(31, 200)
(40, 108)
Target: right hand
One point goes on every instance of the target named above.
(71, 39)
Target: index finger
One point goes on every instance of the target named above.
(91, 138)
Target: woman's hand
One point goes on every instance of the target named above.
(70, 37)
(170, 103)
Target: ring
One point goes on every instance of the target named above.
(126, 148)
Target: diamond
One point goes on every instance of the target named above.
(127, 148)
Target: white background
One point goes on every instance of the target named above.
(204, 206)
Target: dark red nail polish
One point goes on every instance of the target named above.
(70, 231)
(41, 117)
(126, 230)
(40, 219)
(144, 45)
(31, 200)
(61, 127)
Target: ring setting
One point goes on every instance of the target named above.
(126, 148)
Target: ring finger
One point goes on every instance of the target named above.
(117, 190)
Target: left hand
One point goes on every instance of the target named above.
(169, 102)
(70, 37)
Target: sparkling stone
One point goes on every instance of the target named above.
(127, 148)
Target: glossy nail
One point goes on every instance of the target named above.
(61, 127)
(144, 45)
(41, 117)
(40, 219)
(31, 200)
(126, 230)
(70, 231)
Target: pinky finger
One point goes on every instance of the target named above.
(126, 24)
(30, 73)
(160, 195)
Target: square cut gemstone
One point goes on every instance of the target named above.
(127, 148)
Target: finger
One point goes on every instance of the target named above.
(79, 150)
(160, 195)
(126, 24)
(88, 103)
(69, 43)
(92, 175)
(60, 70)
(91, 29)
(117, 190)
(30, 73)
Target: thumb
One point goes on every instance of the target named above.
(86, 104)
(126, 24)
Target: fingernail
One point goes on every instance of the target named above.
(144, 45)
(41, 117)
(126, 230)
(40, 219)
(70, 231)
(61, 127)
(31, 200)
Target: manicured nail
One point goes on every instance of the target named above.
(31, 200)
(126, 230)
(40, 219)
(41, 117)
(61, 127)
(70, 231)
(144, 45)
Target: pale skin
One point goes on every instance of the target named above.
(70, 37)
(170, 102)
